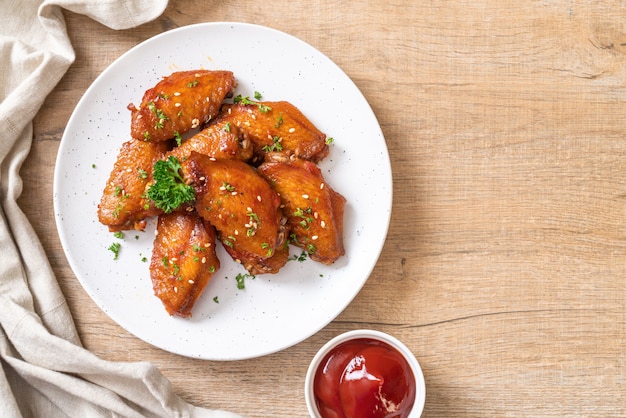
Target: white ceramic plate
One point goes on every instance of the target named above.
(273, 312)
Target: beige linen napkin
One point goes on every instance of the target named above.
(44, 370)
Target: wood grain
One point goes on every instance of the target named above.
(505, 261)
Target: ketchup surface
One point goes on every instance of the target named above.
(364, 378)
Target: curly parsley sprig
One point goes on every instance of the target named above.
(169, 190)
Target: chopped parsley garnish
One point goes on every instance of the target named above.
(228, 187)
(276, 145)
(169, 190)
(115, 249)
(305, 215)
(330, 140)
(267, 247)
(293, 239)
(257, 95)
(253, 223)
(241, 277)
(302, 257)
(161, 117)
(246, 101)
(143, 174)
(279, 121)
(118, 234)
(178, 138)
(193, 83)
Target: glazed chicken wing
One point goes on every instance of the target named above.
(313, 209)
(183, 260)
(277, 126)
(242, 206)
(178, 103)
(123, 204)
(219, 140)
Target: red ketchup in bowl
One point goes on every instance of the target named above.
(364, 378)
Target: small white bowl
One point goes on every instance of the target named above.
(420, 386)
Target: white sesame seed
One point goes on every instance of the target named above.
(236, 232)
(175, 290)
(177, 93)
(314, 237)
(177, 104)
(207, 245)
(208, 99)
(258, 198)
(292, 130)
(305, 196)
(249, 209)
(139, 116)
(234, 193)
(174, 259)
(315, 215)
(191, 281)
(323, 224)
(321, 185)
(202, 178)
(203, 260)
(195, 123)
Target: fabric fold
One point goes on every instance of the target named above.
(45, 370)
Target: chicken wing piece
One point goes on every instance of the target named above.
(219, 140)
(314, 210)
(241, 205)
(277, 126)
(183, 260)
(123, 204)
(178, 103)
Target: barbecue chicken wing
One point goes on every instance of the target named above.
(178, 103)
(277, 126)
(219, 140)
(314, 210)
(243, 207)
(123, 204)
(183, 260)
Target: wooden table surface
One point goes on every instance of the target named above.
(505, 263)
